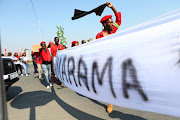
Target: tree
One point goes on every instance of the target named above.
(60, 34)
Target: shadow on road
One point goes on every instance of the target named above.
(122, 116)
(115, 114)
(40, 98)
(12, 92)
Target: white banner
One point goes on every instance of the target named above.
(138, 68)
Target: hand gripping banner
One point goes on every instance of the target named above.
(138, 68)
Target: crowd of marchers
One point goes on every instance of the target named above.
(43, 60)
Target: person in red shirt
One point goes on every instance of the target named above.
(54, 49)
(38, 62)
(107, 22)
(109, 28)
(46, 63)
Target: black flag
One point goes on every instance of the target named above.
(79, 13)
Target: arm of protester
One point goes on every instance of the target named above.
(110, 5)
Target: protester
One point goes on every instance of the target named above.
(83, 41)
(65, 47)
(17, 62)
(77, 43)
(109, 28)
(25, 63)
(38, 62)
(34, 63)
(46, 63)
(9, 54)
(49, 46)
(107, 22)
(54, 49)
(74, 43)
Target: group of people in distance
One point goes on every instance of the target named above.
(46, 55)
(20, 61)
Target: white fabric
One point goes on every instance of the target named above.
(24, 59)
(138, 68)
(15, 58)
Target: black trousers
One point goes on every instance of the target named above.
(18, 66)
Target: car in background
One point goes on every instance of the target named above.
(10, 75)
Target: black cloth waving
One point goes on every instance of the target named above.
(78, 13)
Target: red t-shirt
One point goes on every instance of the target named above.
(54, 49)
(45, 56)
(38, 58)
(115, 26)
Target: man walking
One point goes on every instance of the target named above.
(46, 63)
(109, 28)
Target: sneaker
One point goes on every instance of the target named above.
(51, 85)
(21, 74)
(47, 87)
(27, 75)
(109, 108)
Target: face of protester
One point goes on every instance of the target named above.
(57, 40)
(43, 45)
(109, 24)
(24, 55)
(83, 41)
(51, 44)
(9, 54)
(15, 54)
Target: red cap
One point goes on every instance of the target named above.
(51, 43)
(105, 18)
(73, 42)
(42, 42)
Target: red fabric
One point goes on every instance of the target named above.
(51, 43)
(74, 42)
(45, 56)
(54, 49)
(105, 18)
(118, 21)
(38, 58)
(42, 42)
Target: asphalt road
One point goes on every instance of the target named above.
(29, 99)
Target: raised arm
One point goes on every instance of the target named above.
(110, 5)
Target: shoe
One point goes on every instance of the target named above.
(51, 85)
(27, 75)
(109, 108)
(21, 74)
(47, 87)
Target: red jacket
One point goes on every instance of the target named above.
(115, 26)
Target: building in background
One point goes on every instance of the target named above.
(28, 54)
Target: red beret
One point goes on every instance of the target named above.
(73, 42)
(42, 42)
(105, 18)
(51, 43)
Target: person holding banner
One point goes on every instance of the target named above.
(109, 28)
(54, 49)
(46, 63)
(107, 22)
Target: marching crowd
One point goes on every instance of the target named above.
(43, 60)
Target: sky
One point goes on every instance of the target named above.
(19, 28)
